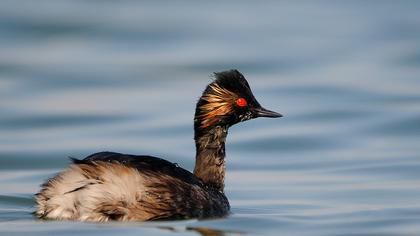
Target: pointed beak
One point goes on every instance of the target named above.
(262, 112)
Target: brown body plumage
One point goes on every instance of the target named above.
(113, 186)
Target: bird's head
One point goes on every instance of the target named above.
(226, 101)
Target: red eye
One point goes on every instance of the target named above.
(241, 102)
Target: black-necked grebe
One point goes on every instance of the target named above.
(112, 186)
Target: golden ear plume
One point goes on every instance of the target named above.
(219, 103)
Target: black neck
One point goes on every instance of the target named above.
(210, 157)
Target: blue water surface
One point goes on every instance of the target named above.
(78, 77)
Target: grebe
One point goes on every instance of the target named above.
(112, 186)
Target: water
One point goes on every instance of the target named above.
(78, 77)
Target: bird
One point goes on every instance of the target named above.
(110, 186)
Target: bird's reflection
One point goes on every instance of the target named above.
(203, 231)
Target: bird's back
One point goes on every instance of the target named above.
(113, 186)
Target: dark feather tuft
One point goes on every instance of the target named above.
(77, 161)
